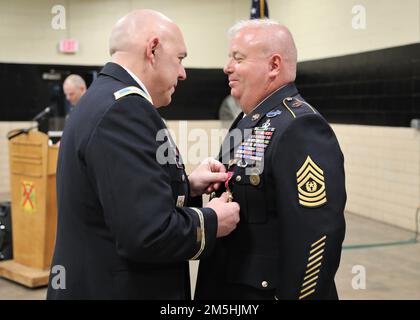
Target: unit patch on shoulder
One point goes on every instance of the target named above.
(130, 90)
(311, 185)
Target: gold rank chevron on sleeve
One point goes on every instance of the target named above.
(311, 185)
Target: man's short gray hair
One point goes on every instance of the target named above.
(75, 80)
(278, 39)
(256, 23)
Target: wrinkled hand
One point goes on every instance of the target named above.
(207, 177)
(227, 214)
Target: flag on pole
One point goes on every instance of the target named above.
(259, 9)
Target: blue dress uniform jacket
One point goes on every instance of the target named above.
(123, 229)
(288, 177)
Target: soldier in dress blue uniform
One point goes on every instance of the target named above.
(127, 224)
(286, 171)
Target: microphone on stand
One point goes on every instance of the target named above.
(14, 133)
(42, 114)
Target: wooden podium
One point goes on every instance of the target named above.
(34, 210)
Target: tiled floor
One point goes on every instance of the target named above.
(392, 272)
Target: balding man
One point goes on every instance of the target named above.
(126, 225)
(286, 172)
(74, 88)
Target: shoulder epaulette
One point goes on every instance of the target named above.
(292, 104)
(130, 90)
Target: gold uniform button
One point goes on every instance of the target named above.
(238, 178)
(264, 284)
(254, 179)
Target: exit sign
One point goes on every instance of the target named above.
(69, 46)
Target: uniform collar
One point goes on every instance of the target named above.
(270, 102)
(123, 75)
(141, 84)
(251, 120)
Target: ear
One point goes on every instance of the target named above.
(275, 65)
(151, 48)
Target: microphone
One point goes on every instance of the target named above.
(14, 133)
(42, 114)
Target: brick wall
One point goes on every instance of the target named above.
(382, 172)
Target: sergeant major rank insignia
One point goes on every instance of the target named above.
(311, 185)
